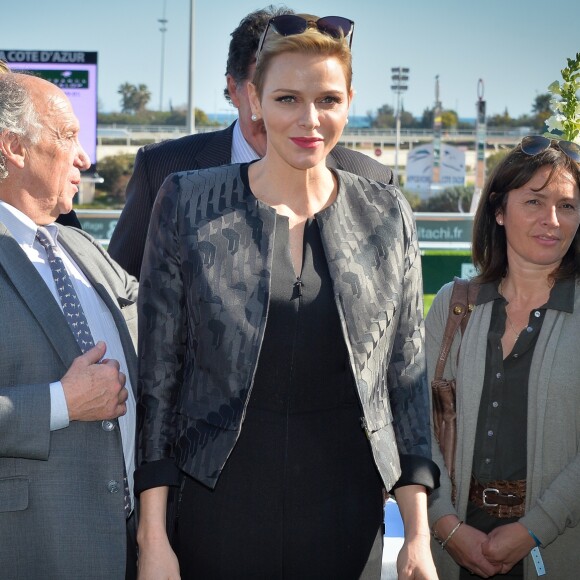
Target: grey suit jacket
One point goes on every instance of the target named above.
(155, 162)
(58, 519)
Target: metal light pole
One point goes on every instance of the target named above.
(400, 78)
(163, 30)
(190, 103)
(480, 140)
(437, 125)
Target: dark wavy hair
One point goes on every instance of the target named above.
(245, 41)
(489, 247)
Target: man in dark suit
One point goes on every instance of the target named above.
(243, 141)
(67, 414)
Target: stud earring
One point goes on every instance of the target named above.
(254, 117)
(346, 122)
(500, 222)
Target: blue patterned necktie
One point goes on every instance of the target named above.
(74, 314)
(71, 305)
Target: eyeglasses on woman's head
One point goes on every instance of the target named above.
(290, 24)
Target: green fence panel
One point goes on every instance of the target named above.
(440, 268)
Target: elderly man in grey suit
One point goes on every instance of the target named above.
(67, 357)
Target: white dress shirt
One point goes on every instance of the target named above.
(242, 151)
(99, 319)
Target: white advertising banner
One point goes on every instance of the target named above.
(420, 168)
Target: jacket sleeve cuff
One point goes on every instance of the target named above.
(418, 470)
(542, 526)
(159, 473)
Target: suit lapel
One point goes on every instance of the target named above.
(37, 297)
(86, 262)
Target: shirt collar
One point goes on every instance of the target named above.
(561, 295)
(242, 151)
(20, 226)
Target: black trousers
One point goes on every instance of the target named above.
(131, 569)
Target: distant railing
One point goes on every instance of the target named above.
(140, 134)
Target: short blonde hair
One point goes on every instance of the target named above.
(311, 42)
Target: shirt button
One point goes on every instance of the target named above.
(113, 486)
(498, 376)
(490, 433)
(530, 329)
(107, 425)
(487, 460)
(495, 404)
(537, 314)
(516, 355)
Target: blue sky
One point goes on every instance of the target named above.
(516, 46)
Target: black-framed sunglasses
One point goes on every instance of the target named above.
(290, 24)
(534, 144)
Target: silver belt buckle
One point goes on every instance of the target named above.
(484, 496)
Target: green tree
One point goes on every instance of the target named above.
(134, 99)
(141, 98)
(541, 110)
(493, 159)
(413, 198)
(407, 120)
(500, 120)
(449, 120)
(126, 90)
(176, 117)
(427, 119)
(116, 171)
(202, 119)
(451, 199)
(385, 118)
(541, 104)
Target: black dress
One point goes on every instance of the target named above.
(300, 496)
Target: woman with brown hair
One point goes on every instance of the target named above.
(517, 463)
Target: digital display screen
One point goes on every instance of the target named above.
(75, 72)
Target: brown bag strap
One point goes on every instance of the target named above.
(460, 306)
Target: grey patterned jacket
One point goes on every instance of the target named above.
(203, 303)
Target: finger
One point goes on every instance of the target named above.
(123, 395)
(122, 378)
(111, 362)
(94, 355)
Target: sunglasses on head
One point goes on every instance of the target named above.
(291, 24)
(534, 144)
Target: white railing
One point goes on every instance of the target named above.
(138, 134)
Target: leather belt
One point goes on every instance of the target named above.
(500, 499)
